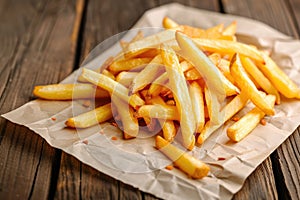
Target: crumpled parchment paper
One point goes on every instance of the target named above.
(136, 162)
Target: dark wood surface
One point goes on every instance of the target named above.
(44, 41)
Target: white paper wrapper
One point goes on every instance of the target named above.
(136, 162)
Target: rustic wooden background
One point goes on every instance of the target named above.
(42, 41)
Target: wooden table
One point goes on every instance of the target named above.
(41, 42)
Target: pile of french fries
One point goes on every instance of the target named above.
(187, 80)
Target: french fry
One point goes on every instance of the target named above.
(211, 33)
(108, 74)
(165, 112)
(130, 64)
(259, 77)
(230, 109)
(126, 114)
(148, 74)
(157, 85)
(169, 23)
(69, 91)
(231, 29)
(248, 122)
(91, 118)
(246, 85)
(180, 91)
(278, 78)
(187, 163)
(213, 77)
(112, 87)
(231, 47)
(196, 95)
(213, 106)
(168, 127)
(126, 78)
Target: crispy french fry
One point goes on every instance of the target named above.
(180, 91)
(231, 29)
(126, 78)
(278, 78)
(211, 33)
(231, 47)
(108, 74)
(234, 106)
(159, 111)
(129, 122)
(213, 107)
(246, 85)
(148, 74)
(187, 163)
(192, 74)
(185, 66)
(130, 64)
(196, 95)
(112, 87)
(91, 118)
(157, 85)
(150, 42)
(213, 77)
(69, 91)
(169, 23)
(248, 122)
(168, 127)
(259, 77)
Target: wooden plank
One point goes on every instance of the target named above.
(212, 5)
(38, 50)
(277, 14)
(294, 7)
(286, 170)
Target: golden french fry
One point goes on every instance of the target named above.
(246, 85)
(196, 95)
(148, 74)
(185, 66)
(248, 122)
(169, 23)
(108, 74)
(278, 78)
(91, 118)
(213, 106)
(159, 111)
(69, 91)
(192, 75)
(180, 91)
(112, 87)
(126, 113)
(231, 47)
(213, 77)
(230, 109)
(157, 85)
(168, 127)
(231, 29)
(130, 64)
(187, 163)
(126, 78)
(150, 42)
(211, 33)
(259, 77)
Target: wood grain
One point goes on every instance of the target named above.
(36, 48)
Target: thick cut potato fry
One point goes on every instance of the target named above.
(129, 122)
(168, 127)
(108, 74)
(148, 74)
(211, 33)
(246, 85)
(181, 95)
(150, 42)
(130, 64)
(157, 86)
(234, 106)
(259, 77)
(231, 29)
(278, 78)
(187, 163)
(126, 78)
(69, 91)
(248, 122)
(213, 77)
(169, 23)
(112, 87)
(224, 46)
(159, 111)
(213, 107)
(196, 95)
(91, 118)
